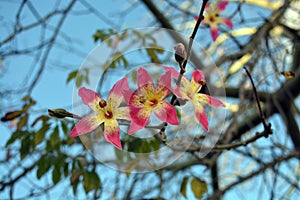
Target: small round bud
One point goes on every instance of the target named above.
(180, 53)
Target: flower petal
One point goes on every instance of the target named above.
(134, 127)
(115, 95)
(140, 116)
(90, 98)
(166, 113)
(127, 94)
(214, 33)
(144, 79)
(196, 77)
(85, 125)
(164, 85)
(228, 22)
(137, 100)
(196, 18)
(181, 92)
(112, 133)
(201, 115)
(122, 113)
(210, 100)
(207, 6)
(175, 74)
(222, 5)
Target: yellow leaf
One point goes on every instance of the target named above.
(235, 33)
(240, 63)
(232, 107)
(262, 3)
(183, 186)
(199, 187)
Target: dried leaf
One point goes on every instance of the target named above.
(183, 186)
(12, 115)
(288, 74)
(22, 122)
(198, 187)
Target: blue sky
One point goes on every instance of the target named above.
(52, 90)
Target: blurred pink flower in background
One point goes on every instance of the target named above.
(212, 18)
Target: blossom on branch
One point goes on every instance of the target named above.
(189, 90)
(212, 18)
(148, 99)
(106, 112)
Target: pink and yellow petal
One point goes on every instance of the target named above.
(222, 5)
(134, 127)
(140, 116)
(122, 113)
(214, 33)
(112, 133)
(166, 113)
(144, 79)
(175, 74)
(210, 100)
(201, 115)
(228, 22)
(197, 76)
(181, 92)
(115, 95)
(137, 100)
(90, 98)
(127, 94)
(163, 85)
(86, 125)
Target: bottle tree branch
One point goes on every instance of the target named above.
(267, 127)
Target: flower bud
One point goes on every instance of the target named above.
(180, 53)
(61, 113)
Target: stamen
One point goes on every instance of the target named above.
(102, 103)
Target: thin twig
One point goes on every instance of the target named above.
(267, 127)
(182, 71)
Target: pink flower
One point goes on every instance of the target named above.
(105, 112)
(188, 90)
(212, 17)
(148, 99)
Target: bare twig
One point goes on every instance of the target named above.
(263, 119)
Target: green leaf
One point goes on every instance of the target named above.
(90, 181)
(65, 128)
(103, 34)
(72, 75)
(86, 75)
(43, 118)
(40, 134)
(79, 80)
(54, 138)
(16, 135)
(199, 187)
(66, 169)
(12, 115)
(56, 174)
(22, 122)
(26, 146)
(183, 186)
(43, 166)
(74, 179)
(153, 53)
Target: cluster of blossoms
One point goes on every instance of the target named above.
(141, 103)
(212, 18)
